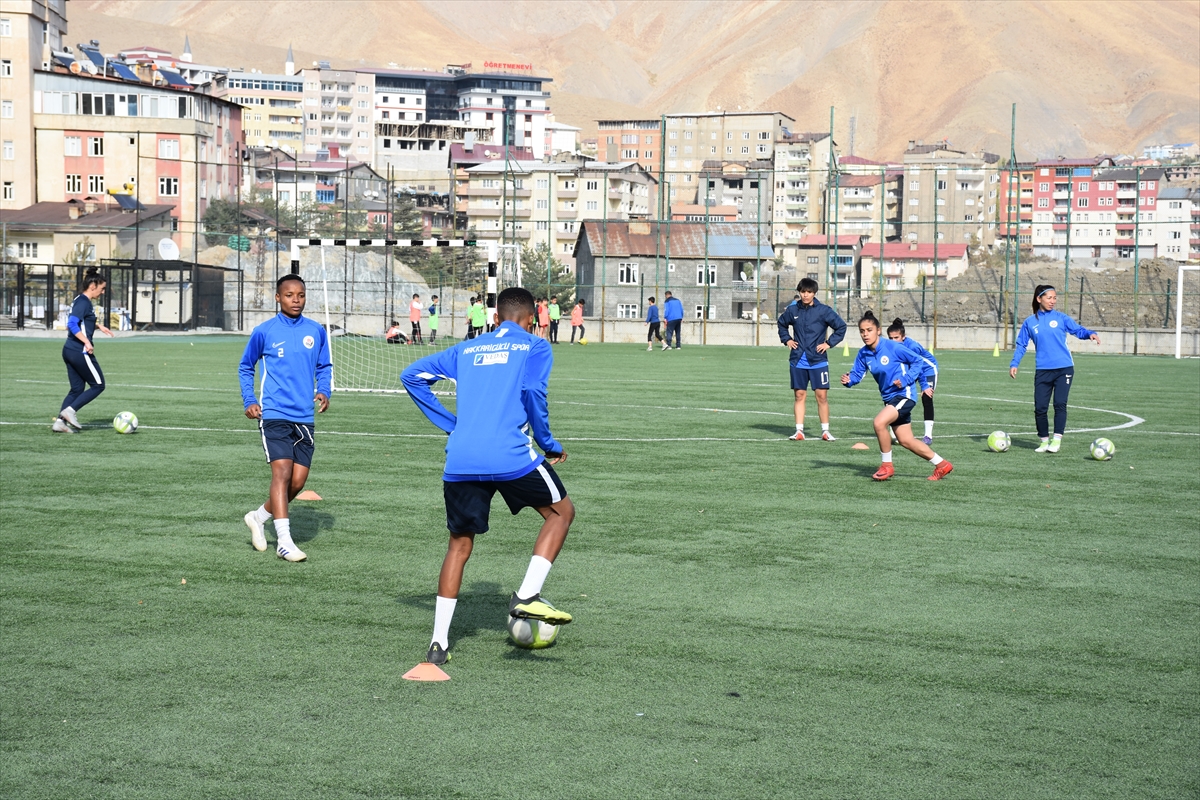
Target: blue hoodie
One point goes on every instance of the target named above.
(672, 309)
(502, 380)
(652, 314)
(888, 362)
(807, 324)
(294, 354)
(1048, 331)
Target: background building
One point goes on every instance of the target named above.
(949, 194)
(801, 176)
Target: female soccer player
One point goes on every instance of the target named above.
(896, 334)
(1055, 368)
(895, 368)
(80, 356)
(294, 351)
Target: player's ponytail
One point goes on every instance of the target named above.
(1038, 291)
(869, 316)
(91, 278)
(897, 326)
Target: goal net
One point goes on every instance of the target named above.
(372, 360)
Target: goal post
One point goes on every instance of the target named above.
(370, 363)
(1179, 307)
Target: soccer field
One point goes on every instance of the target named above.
(753, 617)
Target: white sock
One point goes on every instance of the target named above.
(800, 426)
(535, 576)
(929, 428)
(936, 459)
(887, 457)
(283, 533)
(261, 514)
(1045, 438)
(1056, 436)
(442, 614)
(825, 427)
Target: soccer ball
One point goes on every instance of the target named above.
(1103, 449)
(125, 422)
(998, 441)
(583, 341)
(532, 634)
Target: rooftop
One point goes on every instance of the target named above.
(899, 251)
(729, 240)
(108, 214)
(820, 240)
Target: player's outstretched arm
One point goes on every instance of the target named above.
(533, 398)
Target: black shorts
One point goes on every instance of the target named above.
(292, 441)
(905, 408)
(803, 376)
(469, 503)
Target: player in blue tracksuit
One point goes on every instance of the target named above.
(501, 409)
(294, 352)
(1048, 330)
(896, 334)
(654, 325)
(896, 369)
(79, 355)
(673, 314)
(802, 327)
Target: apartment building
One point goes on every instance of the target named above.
(512, 105)
(273, 112)
(95, 135)
(1090, 209)
(1173, 231)
(909, 265)
(949, 194)
(801, 178)
(867, 205)
(338, 111)
(30, 32)
(635, 140)
(527, 202)
(84, 232)
(1016, 214)
(472, 154)
(560, 138)
(725, 136)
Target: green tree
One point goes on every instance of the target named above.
(546, 276)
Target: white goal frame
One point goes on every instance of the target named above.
(1179, 308)
(492, 248)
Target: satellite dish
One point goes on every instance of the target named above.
(168, 250)
(75, 68)
(90, 67)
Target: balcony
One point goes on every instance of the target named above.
(615, 195)
(1128, 193)
(567, 213)
(750, 286)
(479, 191)
(482, 211)
(1062, 195)
(567, 194)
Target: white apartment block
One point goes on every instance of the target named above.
(726, 136)
(339, 111)
(801, 174)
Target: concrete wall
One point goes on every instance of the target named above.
(1151, 341)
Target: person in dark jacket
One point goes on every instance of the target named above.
(803, 328)
(83, 370)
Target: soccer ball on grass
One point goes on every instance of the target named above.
(532, 634)
(583, 341)
(125, 422)
(1102, 449)
(998, 441)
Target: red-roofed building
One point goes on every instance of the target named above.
(843, 269)
(906, 264)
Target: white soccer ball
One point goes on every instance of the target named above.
(1103, 449)
(998, 441)
(532, 634)
(125, 422)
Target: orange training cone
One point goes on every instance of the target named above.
(859, 446)
(308, 494)
(426, 672)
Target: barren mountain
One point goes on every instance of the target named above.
(1087, 77)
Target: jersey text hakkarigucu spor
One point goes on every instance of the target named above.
(888, 362)
(1048, 330)
(501, 407)
(293, 352)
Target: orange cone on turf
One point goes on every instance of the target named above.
(308, 494)
(426, 672)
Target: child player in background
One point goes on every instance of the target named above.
(555, 316)
(501, 412)
(433, 318)
(294, 352)
(653, 327)
(414, 317)
(577, 321)
(896, 334)
(895, 368)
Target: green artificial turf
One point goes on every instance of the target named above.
(753, 617)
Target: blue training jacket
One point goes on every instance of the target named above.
(294, 354)
(926, 356)
(807, 324)
(652, 314)
(82, 318)
(888, 362)
(673, 309)
(1048, 331)
(502, 380)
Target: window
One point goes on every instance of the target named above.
(1043, 187)
(5, 68)
(712, 312)
(27, 249)
(912, 201)
(1043, 202)
(542, 203)
(95, 145)
(592, 205)
(712, 275)
(914, 186)
(628, 311)
(72, 146)
(814, 260)
(745, 134)
(592, 186)
(745, 149)
(1082, 202)
(168, 148)
(5, 27)
(95, 184)
(1083, 187)
(764, 135)
(9, 194)
(6, 109)
(627, 272)
(168, 187)
(9, 151)
(762, 149)
(74, 184)
(941, 185)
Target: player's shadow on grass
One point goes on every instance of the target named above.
(866, 470)
(782, 431)
(481, 606)
(307, 523)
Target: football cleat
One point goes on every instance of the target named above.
(941, 470)
(68, 414)
(1055, 444)
(826, 436)
(60, 426)
(291, 553)
(798, 436)
(536, 608)
(927, 439)
(437, 656)
(884, 472)
(257, 538)
(1043, 447)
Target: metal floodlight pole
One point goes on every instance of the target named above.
(936, 218)
(1137, 250)
(829, 178)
